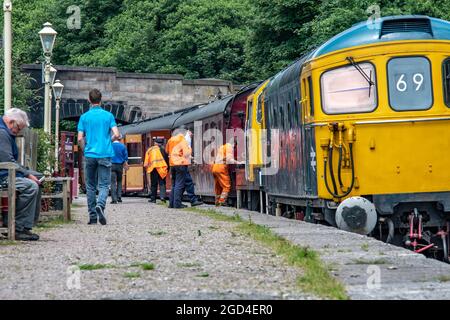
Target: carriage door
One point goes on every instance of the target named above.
(309, 151)
(134, 177)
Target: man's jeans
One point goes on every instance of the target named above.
(178, 185)
(97, 169)
(190, 190)
(26, 203)
(26, 196)
(116, 181)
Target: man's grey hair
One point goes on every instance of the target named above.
(19, 116)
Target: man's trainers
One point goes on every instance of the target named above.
(119, 200)
(92, 221)
(26, 236)
(196, 203)
(182, 207)
(101, 215)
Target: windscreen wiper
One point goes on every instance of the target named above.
(361, 71)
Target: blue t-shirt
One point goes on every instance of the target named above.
(96, 125)
(120, 153)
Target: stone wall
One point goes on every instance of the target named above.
(130, 96)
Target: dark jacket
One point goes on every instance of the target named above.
(164, 154)
(9, 151)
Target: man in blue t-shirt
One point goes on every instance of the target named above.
(95, 127)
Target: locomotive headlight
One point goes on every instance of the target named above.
(356, 214)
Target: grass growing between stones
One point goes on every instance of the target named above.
(316, 278)
(144, 266)
(189, 265)
(369, 261)
(203, 275)
(8, 243)
(90, 267)
(132, 275)
(52, 222)
(157, 233)
(444, 278)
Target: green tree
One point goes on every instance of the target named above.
(75, 43)
(276, 36)
(335, 16)
(207, 39)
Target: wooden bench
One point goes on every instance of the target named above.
(10, 193)
(64, 195)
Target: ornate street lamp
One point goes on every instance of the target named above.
(48, 37)
(58, 88)
(53, 72)
(7, 45)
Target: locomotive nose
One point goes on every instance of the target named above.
(356, 214)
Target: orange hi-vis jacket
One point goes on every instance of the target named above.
(155, 160)
(179, 151)
(225, 156)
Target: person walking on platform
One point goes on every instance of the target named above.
(179, 159)
(95, 126)
(156, 162)
(119, 163)
(222, 181)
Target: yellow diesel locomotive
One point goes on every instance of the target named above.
(357, 134)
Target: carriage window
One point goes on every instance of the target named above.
(296, 115)
(346, 90)
(282, 125)
(289, 118)
(134, 153)
(447, 81)
(311, 97)
(249, 114)
(410, 85)
(259, 110)
(274, 117)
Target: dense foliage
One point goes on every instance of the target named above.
(238, 40)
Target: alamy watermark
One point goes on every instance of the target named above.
(375, 16)
(374, 279)
(74, 278)
(74, 20)
(206, 142)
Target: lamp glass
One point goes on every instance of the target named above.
(58, 88)
(53, 72)
(48, 37)
(48, 40)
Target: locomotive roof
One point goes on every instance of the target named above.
(393, 28)
(162, 122)
(204, 111)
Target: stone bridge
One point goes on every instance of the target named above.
(129, 97)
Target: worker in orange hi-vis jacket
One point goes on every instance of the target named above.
(179, 158)
(222, 180)
(157, 164)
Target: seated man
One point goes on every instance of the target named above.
(27, 185)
